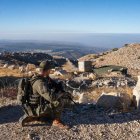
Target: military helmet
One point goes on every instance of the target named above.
(47, 64)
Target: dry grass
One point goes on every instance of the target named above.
(94, 93)
(8, 92)
(8, 95)
(69, 67)
(126, 96)
(8, 72)
(6, 101)
(14, 72)
(89, 57)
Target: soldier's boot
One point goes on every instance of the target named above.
(44, 118)
(56, 118)
(26, 119)
(58, 123)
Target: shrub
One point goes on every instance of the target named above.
(94, 56)
(115, 49)
(126, 45)
(101, 59)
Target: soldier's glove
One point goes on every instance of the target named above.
(55, 103)
(65, 97)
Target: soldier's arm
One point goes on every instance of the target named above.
(41, 88)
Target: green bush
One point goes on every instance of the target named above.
(101, 59)
(115, 49)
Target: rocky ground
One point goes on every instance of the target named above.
(87, 122)
(127, 56)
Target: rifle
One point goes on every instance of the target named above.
(62, 94)
(67, 96)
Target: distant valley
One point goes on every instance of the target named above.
(71, 51)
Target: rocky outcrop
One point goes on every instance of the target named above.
(114, 82)
(24, 57)
(114, 101)
(109, 101)
(82, 84)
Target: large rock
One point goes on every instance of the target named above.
(11, 67)
(22, 68)
(113, 100)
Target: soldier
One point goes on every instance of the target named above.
(45, 99)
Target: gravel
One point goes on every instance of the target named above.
(87, 123)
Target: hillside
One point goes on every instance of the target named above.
(127, 56)
(104, 109)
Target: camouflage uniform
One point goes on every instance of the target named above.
(45, 99)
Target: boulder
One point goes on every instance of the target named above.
(22, 68)
(114, 100)
(5, 66)
(108, 100)
(30, 73)
(11, 67)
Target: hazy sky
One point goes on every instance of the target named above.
(36, 18)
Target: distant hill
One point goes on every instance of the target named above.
(67, 50)
(127, 56)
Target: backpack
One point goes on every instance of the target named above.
(24, 91)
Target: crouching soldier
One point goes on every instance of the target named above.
(40, 96)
